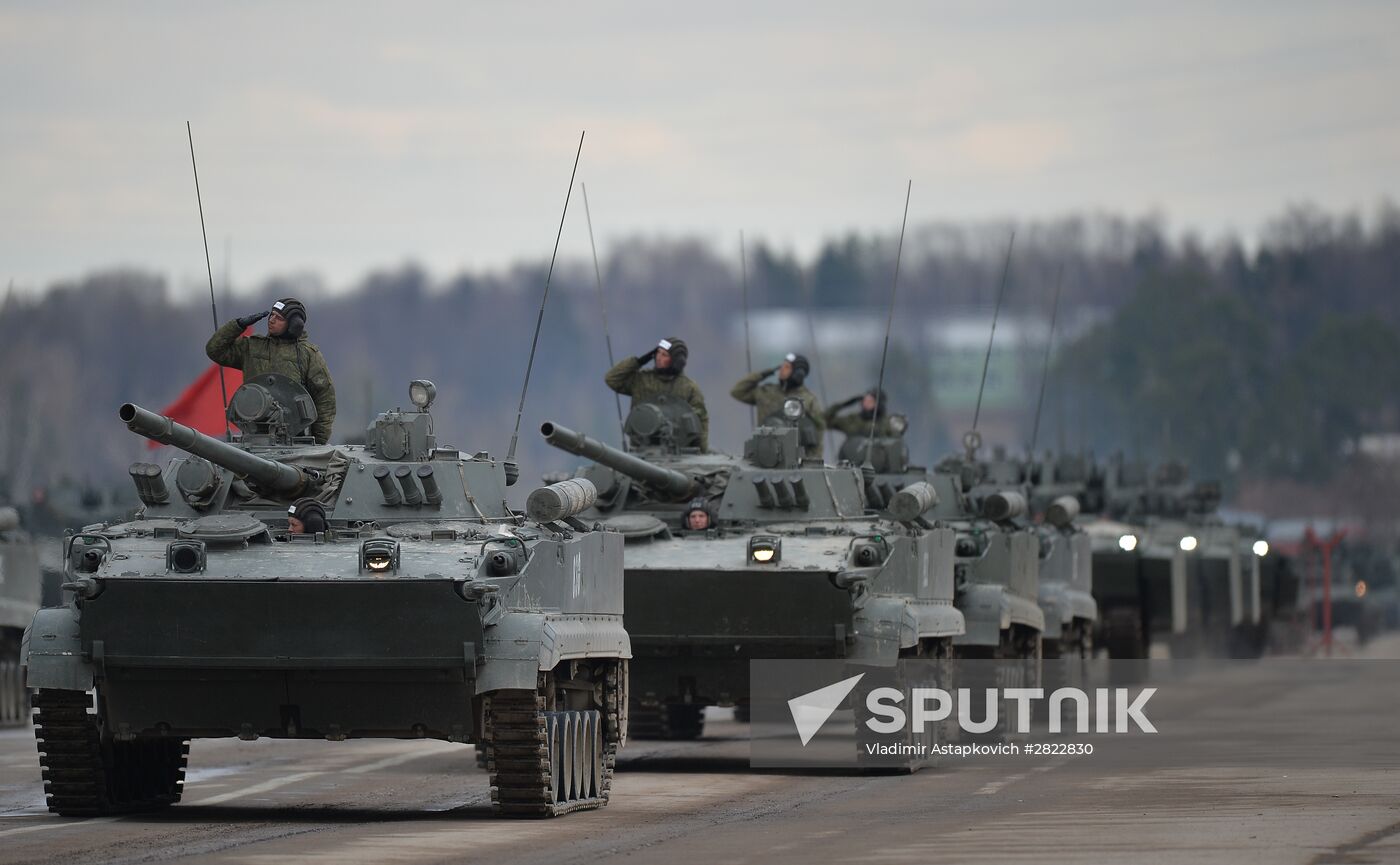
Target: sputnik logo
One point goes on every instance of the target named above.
(811, 710)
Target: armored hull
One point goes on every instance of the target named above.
(790, 564)
(422, 608)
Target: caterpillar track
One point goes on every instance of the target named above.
(546, 762)
(86, 775)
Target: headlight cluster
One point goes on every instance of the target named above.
(765, 549)
(379, 556)
(1127, 543)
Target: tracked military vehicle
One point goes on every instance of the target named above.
(1167, 569)
(996, 553)
(424, 607)
(21, 586)
(1053, 490)
(787, 562)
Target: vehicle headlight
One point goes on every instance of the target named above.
(765, 549)
(422, 392)
(898, 424)
(792, 409)
(379, 556)
(1127, 543)
(1261, 548)
(1188, 543)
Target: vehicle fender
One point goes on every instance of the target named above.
(52, 652)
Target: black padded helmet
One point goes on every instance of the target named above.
(294, 311)
(679, 352)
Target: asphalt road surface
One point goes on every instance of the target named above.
(698, 802)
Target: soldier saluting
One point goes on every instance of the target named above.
(769, 398)
(872, 408)
(285, 350)
(667, 377)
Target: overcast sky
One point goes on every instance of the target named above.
(337, 137)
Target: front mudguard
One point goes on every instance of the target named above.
(989, 610)
(52, 652)
(884, 626)
(519, 646)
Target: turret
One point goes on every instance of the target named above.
(664, 481)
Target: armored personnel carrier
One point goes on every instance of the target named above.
(1053, 489)
(21, 586)
(996, 553)
(1167, 569)
(768, 556)
(398, 597)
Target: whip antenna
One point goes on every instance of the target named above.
(1001, 293)
(1045, 370)
(744, 284)
(812, 337)
(889, 324)
(603, 307)
(539, 321)
(209, 269)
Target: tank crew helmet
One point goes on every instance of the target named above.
(679, 352)
(881, 403)
(307, 514)
(294, 311)
(800, 367)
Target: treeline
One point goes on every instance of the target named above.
(1275, 360)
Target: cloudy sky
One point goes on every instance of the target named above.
(337, 137)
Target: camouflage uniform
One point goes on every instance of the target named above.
(853, 424)
(299, 359)
(629, 379)
(769, 399)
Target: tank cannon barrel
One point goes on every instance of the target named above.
(268, 474)
(667, 481)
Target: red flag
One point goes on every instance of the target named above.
(201, 406)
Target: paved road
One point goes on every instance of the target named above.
(425, 802)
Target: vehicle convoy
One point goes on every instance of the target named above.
(771, 556)
(1054, 488)
(398, 597)
(996, 553)
(1167, 569)
(21, 586)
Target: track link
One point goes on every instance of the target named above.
(86, 775)
(545, 762)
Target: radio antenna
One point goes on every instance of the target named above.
(603, 307)
(209, 269)
(996, 312)
(1045, 370)
(812, 337)
(889, 325)
(744, 287)
(539, 320)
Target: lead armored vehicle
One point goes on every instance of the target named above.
(21, 585)
(421, 606)
(768, 556)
